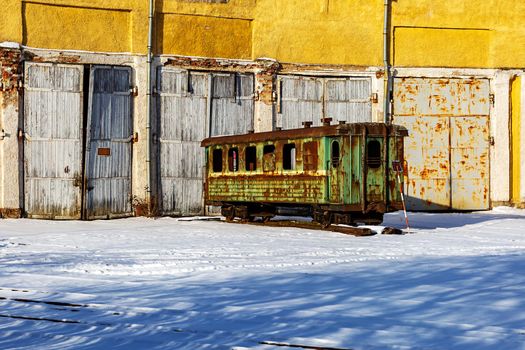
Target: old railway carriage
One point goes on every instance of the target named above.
(335, 173)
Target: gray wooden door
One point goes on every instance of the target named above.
(183, 109)
(192, 106)
(232, 104)
(303, 98)
(109, 143)
(53, 140)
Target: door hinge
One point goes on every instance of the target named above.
(374, 98)
(134, 91)
(491, 99)
(23, 135)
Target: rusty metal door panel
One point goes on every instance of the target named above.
(470, 162)
(300, 99)
(183, 116)
(427, 156)
(441, 97)
(109, 143)
(348, 99)
(448, 123)
(232, 104)
(53, 141)
(411, 97)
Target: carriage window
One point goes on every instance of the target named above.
(233, 159)
(335, 154)
(310, 155)
(373, 154)
(251, 158)
(269, 158)
(289, 156)
(217, 160)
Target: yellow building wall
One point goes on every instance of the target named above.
(320, 31)
(68, 27)
(426, 33)
(11, 21)
(460, 33)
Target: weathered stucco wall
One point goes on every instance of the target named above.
(9, 119)
(319, 31)
(477, 34)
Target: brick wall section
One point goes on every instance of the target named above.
(10, 73)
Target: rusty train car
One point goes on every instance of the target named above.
(341, 174)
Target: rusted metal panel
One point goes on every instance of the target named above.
(441, 97)
(428, 159)
(469, 139)
(110, 128)
(302, 98)
(53, 140)
(232, 104)
(183, 116)
(447, 121)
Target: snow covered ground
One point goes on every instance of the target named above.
(456, 282)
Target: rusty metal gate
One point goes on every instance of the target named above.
(109, 143)
(52, 140)
(191, 106)
(302, 98)
(447, 151)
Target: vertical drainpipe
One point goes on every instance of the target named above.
(387, 95)
(386, 61)
(149, 94)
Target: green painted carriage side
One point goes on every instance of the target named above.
(352, 184)
(279, 186)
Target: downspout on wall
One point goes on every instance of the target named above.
(386, 62)
(149, 95)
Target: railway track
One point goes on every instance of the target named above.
(63, 320)
(100, 318)
(344, 229)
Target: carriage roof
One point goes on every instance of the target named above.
(378, 129)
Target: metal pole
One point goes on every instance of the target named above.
(149, 93)
(386, 60)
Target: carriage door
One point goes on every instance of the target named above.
(375, 169)
(52, 140)
(335, 168)
(109, 143)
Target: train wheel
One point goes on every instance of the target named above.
(326, 219)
